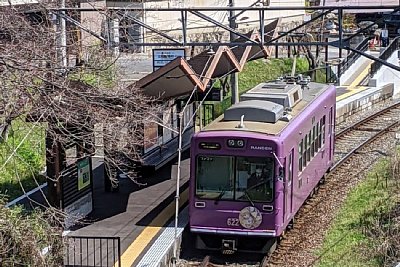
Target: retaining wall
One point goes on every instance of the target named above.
(387, 75)
(362, 101)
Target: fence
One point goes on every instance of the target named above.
(92, 251)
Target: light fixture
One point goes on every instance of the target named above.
(210, 51)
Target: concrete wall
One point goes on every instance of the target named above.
(344, 79)
(387, 75)
(362, 101)
(199, 29)
(170, 20)
(93, 21)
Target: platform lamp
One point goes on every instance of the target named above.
(181, 130)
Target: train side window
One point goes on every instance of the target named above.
(309, 146)
(305, 151)
(318, 138)
(290, 173)
(300, 182)
(323, 130)
(312, 142)
(301, 156)
(315, 139)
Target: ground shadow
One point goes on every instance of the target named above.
(109, 204)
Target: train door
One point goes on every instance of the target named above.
(331, 132)
(289, 186)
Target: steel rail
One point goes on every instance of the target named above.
(368, 141)
(365, 120)
(205, 262)
(267, 260)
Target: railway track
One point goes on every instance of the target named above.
(354, 137)
(353, 156)
(356, 149)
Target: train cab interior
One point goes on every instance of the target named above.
(243, 179)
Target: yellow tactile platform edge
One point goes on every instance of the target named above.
(144, 238)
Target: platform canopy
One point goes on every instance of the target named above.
(180, 76)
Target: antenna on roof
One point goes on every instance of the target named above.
(241, 124)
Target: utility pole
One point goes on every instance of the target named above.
(233, 76)
(63, 38)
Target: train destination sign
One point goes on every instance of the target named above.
(209, 145)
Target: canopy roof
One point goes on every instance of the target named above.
(180, 76)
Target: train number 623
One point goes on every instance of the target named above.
(232, 221)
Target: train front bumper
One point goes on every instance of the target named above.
(204, 230)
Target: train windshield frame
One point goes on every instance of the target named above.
(235, 178)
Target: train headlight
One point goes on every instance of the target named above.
(240, 143)
(235, 143)
(231, 143)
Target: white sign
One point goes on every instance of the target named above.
(385, 33)
(162, 57)
(261, 148)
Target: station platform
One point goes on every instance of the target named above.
(135, 214)
(350, 100)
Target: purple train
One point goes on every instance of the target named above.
(253, 167)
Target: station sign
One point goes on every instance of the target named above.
(84, 171)
(162, 57)
(216, 94)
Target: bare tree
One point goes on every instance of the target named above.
(35, 87)
(31, 84)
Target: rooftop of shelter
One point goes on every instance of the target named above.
(180, 76)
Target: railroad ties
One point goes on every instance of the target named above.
(350, 142)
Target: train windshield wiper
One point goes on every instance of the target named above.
(218, 198)
(248, 197)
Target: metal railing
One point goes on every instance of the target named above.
(332, 77)
(393, 46)
(352, 56)
(92, 251)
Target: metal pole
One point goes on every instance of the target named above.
(63, 39)
(178, 177)
(340, 18)
(233, 76)
(326, 62)
(184, 25)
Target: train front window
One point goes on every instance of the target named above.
(254, 179)
(215, 177)
(239, 178)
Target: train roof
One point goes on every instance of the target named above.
(264, 107)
